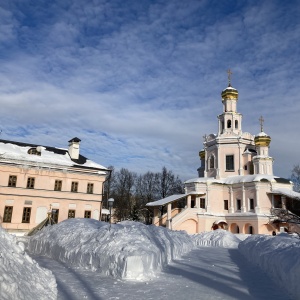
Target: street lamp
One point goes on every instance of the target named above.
(110, 206)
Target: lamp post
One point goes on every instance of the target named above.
(110, 206)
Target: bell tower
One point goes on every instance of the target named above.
(230, 120)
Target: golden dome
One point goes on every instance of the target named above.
(262, 139)
(230, 93)
(202, 154)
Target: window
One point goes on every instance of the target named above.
(30, 182)
(12, 180)
(251, 231)
(57, 185)
(34, 151)
(229, 163)
(251, 204)
(236, 124)
(7, 214)
(212, 162)
(202, 202)
(87, 214)
(74, 186)
(228, 123)
(71, 214)
(225, 204)
(90, 188)
(26, 215)
(238, 204)
(54, 215)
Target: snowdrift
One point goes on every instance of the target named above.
(128, 250)
(216, 238)
(20, 276)
(278, 256)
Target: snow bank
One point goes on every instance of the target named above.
(20, 276)
(278, 256)
(216, 238)
(128, 250)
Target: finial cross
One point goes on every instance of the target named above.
(261, 121)
(229, 76)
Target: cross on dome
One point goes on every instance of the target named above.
(229, 76)
(261, 121)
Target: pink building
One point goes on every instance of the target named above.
(236, 188)
(35, 178)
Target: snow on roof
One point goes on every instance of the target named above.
(262, 134)
(235, 179)
(10, 150)
(166, 200)
(287, 192)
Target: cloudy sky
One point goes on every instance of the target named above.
(139, 81)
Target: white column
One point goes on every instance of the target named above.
(243, 208)
(231, 206)
(257, 208)
(189, 197)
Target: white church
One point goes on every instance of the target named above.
(236, 188)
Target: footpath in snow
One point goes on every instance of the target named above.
(205, 273)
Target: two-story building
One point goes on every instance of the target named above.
(35, 179)
(236, 188)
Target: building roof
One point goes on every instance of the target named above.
(17, 152)
(166, 200)
(287, 193)
(239, 179)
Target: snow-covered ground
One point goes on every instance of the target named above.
(92, 260)
(20, 276)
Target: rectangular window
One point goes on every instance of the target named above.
(30, 182)
(225, 204)
(71, 214)
(90, 188)
(202, 202)
(7, 214)
(87, 214)
(57, 185)
(54, 215)
(74, 186)
(26, 215)
(229, 163)
(238, 204)
(251, 204)
(12, 181)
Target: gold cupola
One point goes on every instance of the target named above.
(262, 139)
(202, 154)
(229, 93)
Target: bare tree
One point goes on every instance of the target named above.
(295, 177)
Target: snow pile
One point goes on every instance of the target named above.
(20, 276)
(278, 256)
(216, 238)
(128, 250)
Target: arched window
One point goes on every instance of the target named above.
(236, 124)
(228, 123)
(212, 162)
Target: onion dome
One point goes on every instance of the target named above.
(230, 93)
(202, 154)
(262, 139)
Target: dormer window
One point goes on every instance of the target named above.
(34, 151)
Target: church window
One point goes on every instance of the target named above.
(251, 204)
(251, 231)
(245, 167)
(238, 204)
(26, 215)
(229, 163)
(236, 124)
(228, 123)
(212, 162)
(225, 204)
(202, 202)
(30, 182)
(12, 180)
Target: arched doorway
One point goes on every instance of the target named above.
(234, 228)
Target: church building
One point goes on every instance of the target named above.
(236, 188)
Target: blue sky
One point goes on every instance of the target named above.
(139, 82)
